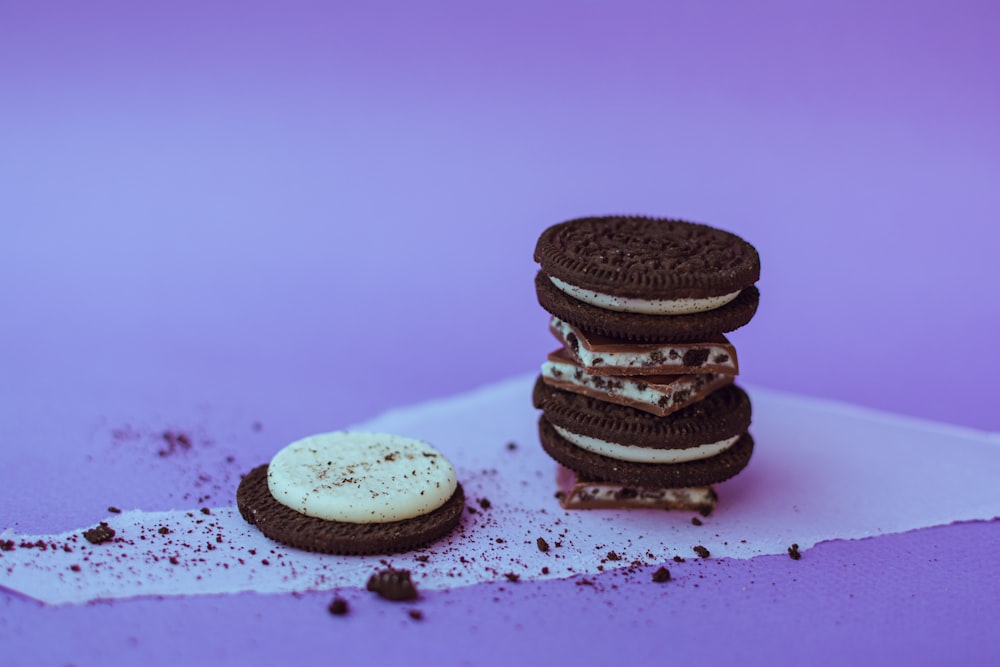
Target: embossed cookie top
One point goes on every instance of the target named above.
(640, 257)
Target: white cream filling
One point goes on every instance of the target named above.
(645, 454)
(626, 304)
(361, 477)
(641, 357)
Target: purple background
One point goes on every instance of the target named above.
(304, 215)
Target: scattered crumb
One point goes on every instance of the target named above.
(392, 585)
(543, 546)
(702, 551)
(338, 607)
(416, 614)
(793, 552)
(696, 521)
(99, 534)
(661, 575)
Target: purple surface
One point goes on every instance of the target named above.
(871, 601)
(304, 215)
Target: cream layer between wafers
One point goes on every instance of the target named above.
(601, 355)
(657, 394)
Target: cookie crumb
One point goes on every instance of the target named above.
(99, 534)
(661, 575)
(543, 546)
(338, 607)
(793, 552)
(511, 446)
(485, 503)
(114, 510)
(678, 559)
(613, 556)
(513, 577)
(695, 521)
(393, 585)
(416, 614)
(702, 551)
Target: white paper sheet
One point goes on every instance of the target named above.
(820, 471)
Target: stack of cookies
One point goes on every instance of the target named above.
(639, 405)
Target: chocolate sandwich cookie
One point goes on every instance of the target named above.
(692, 473)
(353, 493)
(646, 328)
(601, 355)
(647, 279)
(697, 431)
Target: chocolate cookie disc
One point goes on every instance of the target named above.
(283, 524)
(647, 258)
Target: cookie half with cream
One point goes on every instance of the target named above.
(353, 493)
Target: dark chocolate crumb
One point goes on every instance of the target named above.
(613, 556)
(174, 560)
(163, 530)
(99, 534)
(678, 559)
(511, 446)
(74, 567)
(114, 510)
(205, 510)
(543, 546)
(793, 552)
(392, 585)
(485, 503)
(696, 521)
(416, 614)
(661, 575)
(6, 545)
(696, 356)
(702, 551)
(545, 570)
(513, 576)
(338, 607)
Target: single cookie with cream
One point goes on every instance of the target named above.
(353, 493)
(644, 279)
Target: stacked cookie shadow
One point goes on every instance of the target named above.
(639, 404)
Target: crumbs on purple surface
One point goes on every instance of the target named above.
(392, 585)
(99, 534)
(661, 575)
(701, 551)
(793, 552)
(416, 614)
(542, 545)
(338, 607)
